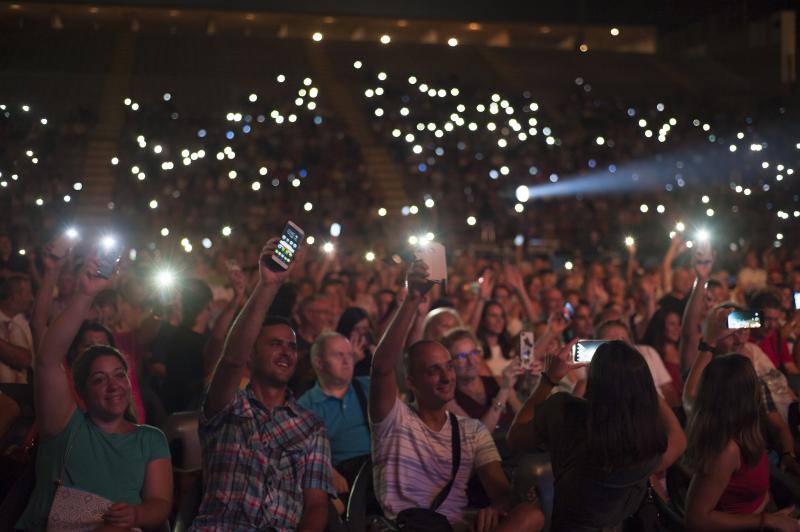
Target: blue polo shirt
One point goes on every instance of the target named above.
(343, 418)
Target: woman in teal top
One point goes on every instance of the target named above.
(100, 451)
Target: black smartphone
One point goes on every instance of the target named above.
(108, 255)
(287, 247)
(744, 319)
(584, 350)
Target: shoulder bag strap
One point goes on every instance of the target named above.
(456, 463)
(362, 400)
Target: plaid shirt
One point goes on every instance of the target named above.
(256, 464)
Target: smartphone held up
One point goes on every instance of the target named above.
(108, 254)
(286, 250)
(584, 350)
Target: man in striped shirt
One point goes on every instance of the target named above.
(412, 446)
(266, 459)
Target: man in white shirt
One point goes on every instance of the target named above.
(617, 330)
(16, 341)
(412, 448)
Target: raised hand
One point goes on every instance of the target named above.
(514, 278)
(511, 373)
(716, 326)
(89, 283)
(52, 264)
(486, 284)
(557, 366)
(270, 273)
(417, 280)
(236, 279)
(702, 260)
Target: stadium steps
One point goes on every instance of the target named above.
(98, 175)
(381, 167)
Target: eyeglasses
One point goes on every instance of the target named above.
(466, 355)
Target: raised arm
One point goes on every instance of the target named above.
(486, 287)
(690, 325)
(383, 378)
(216, 341)
(521, 435)
(675, 246)
(52, 396)
(514, 280)
(714, 329)
(44, 297)
(242, 337)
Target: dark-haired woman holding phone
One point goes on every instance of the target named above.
(727, 452)
(603, 447)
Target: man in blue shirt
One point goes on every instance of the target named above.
(339, 401)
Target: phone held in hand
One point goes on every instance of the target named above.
(744, 319)
(797, 300)
(526, 348)
(287, 247)
(584, 350)
(108, 256)
(568, 311)
(63, 244)
(433, 255)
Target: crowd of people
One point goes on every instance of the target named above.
(350, 382)
(304, 378)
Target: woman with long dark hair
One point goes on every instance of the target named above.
(603, 447)
(663, 334)
(727, 452)
(495, 340)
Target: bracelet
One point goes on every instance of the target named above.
(705, 346)
(548, 380)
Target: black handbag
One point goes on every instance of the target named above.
(428, 519)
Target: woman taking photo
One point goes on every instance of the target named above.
(605, 446)
(95, 469)
(481, 397)
(727, 452)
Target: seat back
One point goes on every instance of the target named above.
(362, 498)
(188, 505)
(184, 441)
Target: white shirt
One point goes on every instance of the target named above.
(412, 463)
(656, 364)
(15, 331)
(772, 377)
(497, 362)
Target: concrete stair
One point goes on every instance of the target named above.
(386, 174)
(98, 178)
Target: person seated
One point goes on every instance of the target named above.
(481, 397)
(617, 330)
(727, 452)
(340, 401)
(604, 447)
(94, 333)
(123, 467)
(266, 459)
(314, 316)
(354, 324)
(768, 337)
(439, 321)
(412, 446)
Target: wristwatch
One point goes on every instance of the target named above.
(705, 346)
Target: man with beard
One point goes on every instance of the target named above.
(266, 460)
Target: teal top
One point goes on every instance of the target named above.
(109, 465)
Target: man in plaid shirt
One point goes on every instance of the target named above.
(266, 460)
